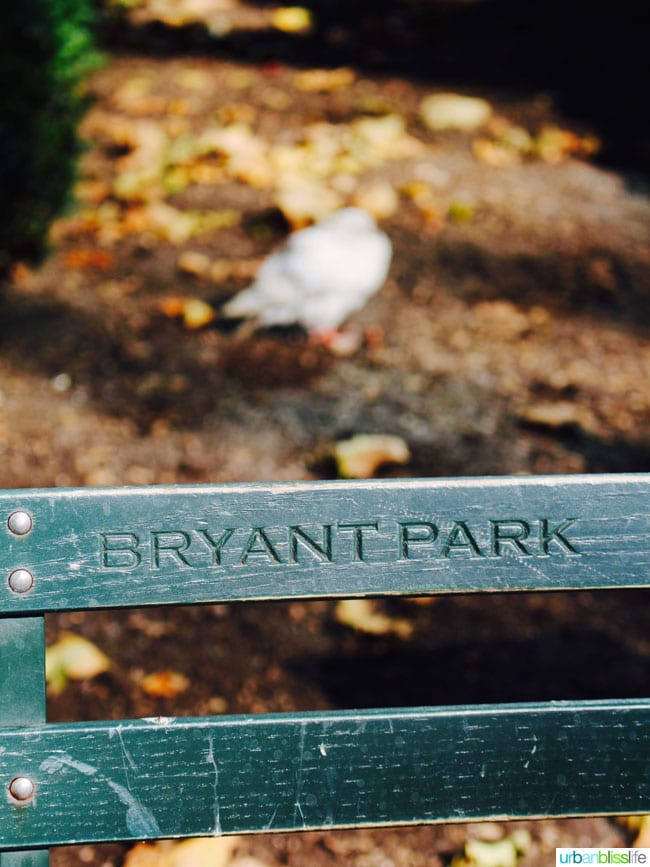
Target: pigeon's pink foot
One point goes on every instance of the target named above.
(339, 341)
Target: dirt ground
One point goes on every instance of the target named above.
(512, 336)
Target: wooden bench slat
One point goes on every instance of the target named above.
(170, 777)
(94, 548)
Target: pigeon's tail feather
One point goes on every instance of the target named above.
(245, 305)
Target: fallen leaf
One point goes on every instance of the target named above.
(307, 201)
(504, 319)
(379, 198)
(194, 312)
(197, 313)
(276, 99)
(494, 153)
(384, 138)
(249, 861)
(642, 827)
(241, 79)
(498, 853)
(172, 306)
(143, 143)
(191, 78)
(245, 154)
(237, 112)
(88, 258)
(361, 456)
(135, 97)
(324, 80)
(362, 614)
(175, 226)
(73, 658)
(169, 223)
(225, 218)
(92, 191)
(481, 853)
(460, 212)
(553, 144)
(194, 852)
(21, 274)
(441, 111)
(194, 263)
(425, 201)
(164, 684)
(510, 135)
(559, 414)
(292, 19)
(217, 704)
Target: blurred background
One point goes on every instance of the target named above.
(152, 155)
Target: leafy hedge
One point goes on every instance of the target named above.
(46, 49)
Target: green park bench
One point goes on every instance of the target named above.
(87, 782)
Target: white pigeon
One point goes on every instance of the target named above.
(320, 276)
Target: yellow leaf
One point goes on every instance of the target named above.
(307, 201)
(165, 684)
(194, 312)
(495, 853)
(195, 852)
(362, 614)
(453, 111)
(292, 19)
(194, 263)
(361, 456)
(73, 658)
(169, 223)
(460, 212)
(498, 154)
(324, 80)
(642, 840)
(197, 313)
(378, 198)
(502, 853)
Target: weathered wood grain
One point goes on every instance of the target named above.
(168, 778)
(92, 548)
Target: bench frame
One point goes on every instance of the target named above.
(85, 549)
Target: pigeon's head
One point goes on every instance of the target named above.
(352, 220)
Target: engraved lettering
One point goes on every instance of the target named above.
(460, 538)
(216, 546)
(170, 544)
(556, 535)
(414, 533)
(322, 551)
(357, 536)
(258, 537)
(389, 540)
(119, 551)
(511, 534)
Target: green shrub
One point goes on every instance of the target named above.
(46, 49)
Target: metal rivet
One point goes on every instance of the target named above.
(21, 788)
(19, 522)
(20, 580)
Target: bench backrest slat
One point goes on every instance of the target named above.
(94, 548)
(171, 777)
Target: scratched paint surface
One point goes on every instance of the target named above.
(92, 548)
(150, 778)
